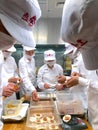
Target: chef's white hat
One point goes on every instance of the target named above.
(19, 17)
(80, 28)
(49, 55)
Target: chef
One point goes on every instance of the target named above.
(27, 71)
(80, 28)
(17, 19)
(78, 73)
(48, 73)
(9, 74)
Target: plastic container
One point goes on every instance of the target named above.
(67, 103)
(46, 95)
(45, 99)
(43, 118)
(12, 107)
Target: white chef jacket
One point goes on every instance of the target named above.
(92, 83)
(76, 16)
(9, 69)
(49, 76)
(81, 89)
(78, 65)
(27, 71)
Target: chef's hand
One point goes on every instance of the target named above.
(74, 80)
(46, 86)
(76, 74)
(15, 80)
(61, 79)
(59, 87)
(35, 96)
(9, 90)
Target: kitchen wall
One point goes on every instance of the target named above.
(47, 31)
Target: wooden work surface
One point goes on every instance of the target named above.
(22, 126)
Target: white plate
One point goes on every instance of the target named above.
(20, 115)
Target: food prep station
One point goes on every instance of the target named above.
(49, 112)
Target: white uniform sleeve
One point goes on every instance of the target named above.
(84, 82)
(39, 79)
(24, 75)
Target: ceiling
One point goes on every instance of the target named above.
(51, 8)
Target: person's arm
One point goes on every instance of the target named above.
(62, 79)
(27, 82)
(9, 89)
(77, 80)
(84, 82)
(25, 77)
(80, 79)
(72, 81)
(40, 79)
(15, 78)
